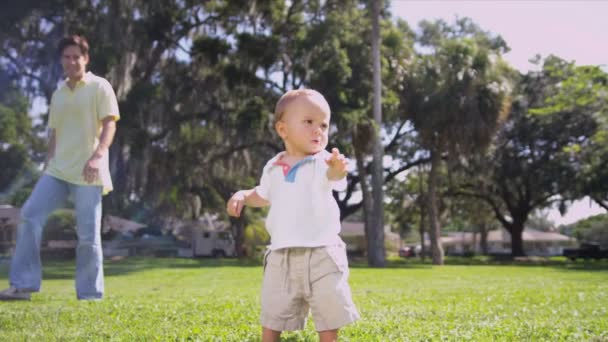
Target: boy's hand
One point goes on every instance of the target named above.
(235, 204)
(337, 165)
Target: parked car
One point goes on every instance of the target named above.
(407, 252)
(586, 251)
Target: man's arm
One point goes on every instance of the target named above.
(107, 136)
(91, 168)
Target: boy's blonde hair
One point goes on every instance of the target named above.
(288, 97)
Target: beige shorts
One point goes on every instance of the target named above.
(299, 280)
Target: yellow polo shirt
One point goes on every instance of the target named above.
(76, 116)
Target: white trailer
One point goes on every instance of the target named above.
(210, 243)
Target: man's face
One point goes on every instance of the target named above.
(74, 62)
(305, 126)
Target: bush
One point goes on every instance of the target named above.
(61, 225)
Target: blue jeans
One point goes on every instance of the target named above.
(48, 194)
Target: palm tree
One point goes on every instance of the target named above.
(375, 234)
(456, 98)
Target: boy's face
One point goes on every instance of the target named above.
(74, 62)
(304, 126)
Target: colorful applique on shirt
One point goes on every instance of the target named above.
(290, 172)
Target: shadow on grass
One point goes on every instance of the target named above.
(360, 262)
(65, 269)
(560, 263)
(137, 264)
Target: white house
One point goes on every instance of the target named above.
(536, 242)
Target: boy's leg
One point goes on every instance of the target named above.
(331, 300)
(284, 307)
(89, 257)
(328, 336)
(26, 270)
(269, 335)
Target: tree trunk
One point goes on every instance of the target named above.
(422, 203)
(484, 239)
(366, 198)
(376, 253)
(474, 244)
(422, 230)
(517, 241)
(601, 202)
(435, 229)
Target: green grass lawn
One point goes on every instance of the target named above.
(210, 300)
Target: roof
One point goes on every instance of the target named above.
(537, 235)
(501, 235)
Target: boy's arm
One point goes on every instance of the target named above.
(244, 198)
(337, 166)
(252, 199)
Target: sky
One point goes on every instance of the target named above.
(573, 30)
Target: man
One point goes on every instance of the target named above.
(82, 123)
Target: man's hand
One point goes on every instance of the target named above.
(337, 165)
(91, 168)
(235, 204)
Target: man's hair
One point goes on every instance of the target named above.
(74, 40)
(288, 97)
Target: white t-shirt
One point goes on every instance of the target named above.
(303, 211)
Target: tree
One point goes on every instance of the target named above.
(196, 84)
(376, 253)
(591, 229)
(540, 221)
(583, 89)
(61, 225)
(478, 217)
(406, 208)
(19, 144)
(456, 98)
(531, 163)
